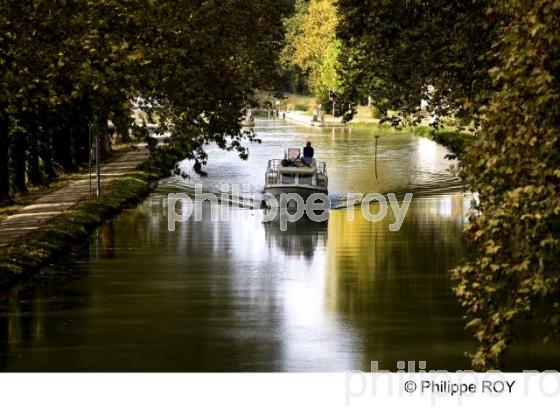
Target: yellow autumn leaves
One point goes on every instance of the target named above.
(315, 47)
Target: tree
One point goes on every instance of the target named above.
(315, 49)
(60, 65)
(515, 169)
(401, 52)
(496, 63)
(289, 70)
(66, 66)
(217, 67)
(4, 158)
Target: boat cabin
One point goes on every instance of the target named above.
(293, 171)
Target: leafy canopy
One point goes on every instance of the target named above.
(499, 64)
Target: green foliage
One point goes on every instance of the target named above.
(290, 71)
(375, 112)
(301, 107)
(328, 74)
(64, 65)
(457, 142)
(401, 52)
(313, 46)
(496, 63)
(515, 169)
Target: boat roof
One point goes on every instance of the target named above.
(305, 170)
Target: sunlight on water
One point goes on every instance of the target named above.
(405, 162)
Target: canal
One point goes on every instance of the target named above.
(240, 295)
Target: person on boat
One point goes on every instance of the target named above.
(308, 153)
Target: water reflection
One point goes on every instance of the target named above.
(301, 238)
(240, 295)
(394, 288)
(27, 317)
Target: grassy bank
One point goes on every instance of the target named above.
(27, 255)
(454, 140)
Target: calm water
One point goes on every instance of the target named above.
(241, 295)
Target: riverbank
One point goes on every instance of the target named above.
(56, 231)
(306, 119)
(300, 109)
(454, 140)
(33, 216)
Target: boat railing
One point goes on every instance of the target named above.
(275, 164)
(321, 167)
(275, 176)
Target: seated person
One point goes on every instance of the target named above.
(308, 153)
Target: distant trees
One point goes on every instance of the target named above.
(497, 63)
(294, 78)
(311, 45)
(64, 66)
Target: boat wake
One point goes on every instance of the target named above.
(251, 199)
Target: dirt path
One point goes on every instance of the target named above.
(35, 215)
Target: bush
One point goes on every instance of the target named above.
(449, 121)
(375, 113)
(515, 168)
(301, 107)
(456, 142)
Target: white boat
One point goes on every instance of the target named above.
(292, 175)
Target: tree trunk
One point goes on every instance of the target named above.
(47, 157)
(76, 145)
(63, 149)
(18, 163)
(104, 140)
(34, 172)
(4, 157)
